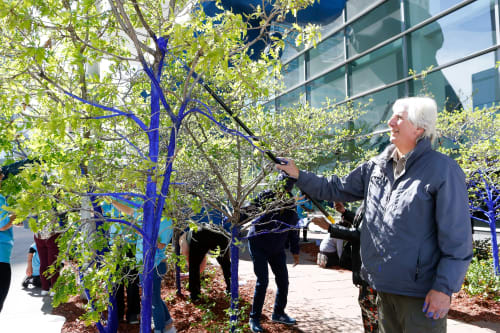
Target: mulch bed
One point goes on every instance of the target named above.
(210, 315)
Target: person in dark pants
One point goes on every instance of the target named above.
(133, 294)
(115, 209)
(266, 239)
(196, 245)
(212, 234)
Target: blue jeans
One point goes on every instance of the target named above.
(161, 316)
(277, 261)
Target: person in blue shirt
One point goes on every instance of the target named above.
(32, 269)
(6, 244)
(163, 322)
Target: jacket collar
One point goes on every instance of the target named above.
(423, 145)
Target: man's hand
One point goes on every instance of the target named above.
(289, 168)
(29, 271)
(339, 207)
(295, 260)
(436, 304)
(320, 222)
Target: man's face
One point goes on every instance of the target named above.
(403, 133)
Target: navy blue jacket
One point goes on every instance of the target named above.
(271, 231)
(416, 232)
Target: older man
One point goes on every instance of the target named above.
(415, 236)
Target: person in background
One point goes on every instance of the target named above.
(113, 210)
(415, 238)
(331, 248)
(48, 252)
(266, 240)
(195, 244)
(304, 206)
(32, 269)
(367, 295)
(163, 322)
(6, 244)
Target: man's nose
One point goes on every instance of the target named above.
(391, 122)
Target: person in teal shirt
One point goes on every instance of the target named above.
(161, 316)
(6, 244)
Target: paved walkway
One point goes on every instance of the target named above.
(25, 310)
(322, 300)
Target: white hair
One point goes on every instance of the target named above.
(422, 112)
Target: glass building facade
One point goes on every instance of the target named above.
(371, 49)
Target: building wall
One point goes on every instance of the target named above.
(369, 51)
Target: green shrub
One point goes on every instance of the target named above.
(481, 280)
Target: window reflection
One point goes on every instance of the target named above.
(420, 10)
(354, 7)
(473, 83)
(468, 30)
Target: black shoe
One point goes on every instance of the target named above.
(283, 319)
(255, 326)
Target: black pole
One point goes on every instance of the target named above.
(268, 153)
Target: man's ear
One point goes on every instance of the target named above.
(420, 131)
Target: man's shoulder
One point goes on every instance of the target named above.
(442, 164)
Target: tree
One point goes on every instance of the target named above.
(472, 137)
(113, 132)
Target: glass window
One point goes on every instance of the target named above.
(293, 72)
(354, 7)
(376, 69)
(380, 24)
(327, 54)
(420, 10)
(473, 83)
(288, 100)
(456, 35)
(331, 85)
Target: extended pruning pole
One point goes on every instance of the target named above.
(268, 153)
